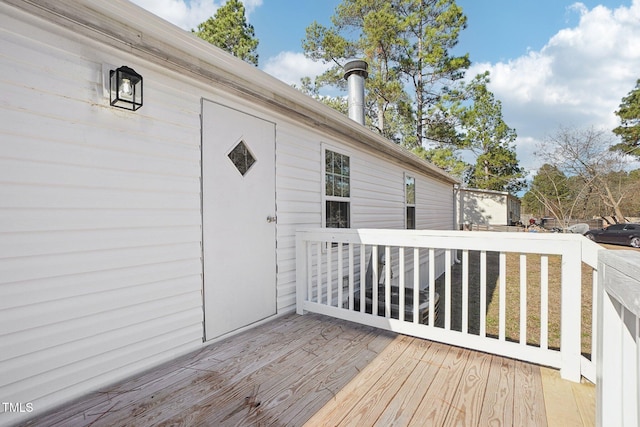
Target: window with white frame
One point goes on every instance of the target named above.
(410, 201)
(337, 183)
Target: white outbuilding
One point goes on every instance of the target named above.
(487, 207)
(131, 236)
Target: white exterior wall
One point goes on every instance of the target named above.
(484, 207)
(100, 269)
(100, 212)
(377, 195)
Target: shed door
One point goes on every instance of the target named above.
(238, 206)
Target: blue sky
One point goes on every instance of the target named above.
(552, 62)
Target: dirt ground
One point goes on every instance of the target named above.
(619, 247)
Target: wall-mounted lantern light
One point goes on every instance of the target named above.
(125, 88)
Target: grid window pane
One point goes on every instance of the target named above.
(337, 185)
(329, 185)
(411, 218)
(345, 166)
(344, 189)
(337, 214)
(410, 190)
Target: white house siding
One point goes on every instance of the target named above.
(434, 205)
(100, 270)
(377, 196)
(298, 199)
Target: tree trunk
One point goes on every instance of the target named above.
(615, 204)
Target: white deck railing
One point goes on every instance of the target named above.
(336, 273)
(618, 366)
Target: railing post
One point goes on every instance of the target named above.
(571, 304)
(618, 354)
(301, 272)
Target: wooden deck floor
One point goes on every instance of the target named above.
(313, 370)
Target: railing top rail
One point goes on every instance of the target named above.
(550, 244)
(622, 277)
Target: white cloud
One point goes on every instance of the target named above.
(290, 67)
(577, 79)
(188, 14)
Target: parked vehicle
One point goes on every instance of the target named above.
(617, 234)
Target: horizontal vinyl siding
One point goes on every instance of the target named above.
(377, 195)
(100, 224)
(298, 200)
(377, 189)
(434, 205)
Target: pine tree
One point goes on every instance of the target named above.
(228, 29)
(629, 129)
(487, 135)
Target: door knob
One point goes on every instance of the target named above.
(272, 219)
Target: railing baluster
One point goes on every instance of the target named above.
(340, 278)
(416, 283)
(351, 276)
(503, 297)
(447, 290)
(374, 279)
(544, 302)
(465, 291)
(387, 281)
(329, 271)
(363, 277)
(319, 273)
(523, 299)
(432, 285)
(309, 254)
(401, 283)
(483, 293)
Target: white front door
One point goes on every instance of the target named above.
(238, 210)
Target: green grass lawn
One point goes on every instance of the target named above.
(512, 324)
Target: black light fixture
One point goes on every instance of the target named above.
(125, 88)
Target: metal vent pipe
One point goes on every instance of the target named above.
(355, 71)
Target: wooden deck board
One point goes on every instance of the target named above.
(313, 370)
(497, 408)
(471, 391)
(307, 403)
(368, 409)
(438, 401)
(340, 406)
(563, 412)
(233, 390)
(529, 409)
(585, 396)
(169, 376)
(400, 411)
(196, 376)
(285, 383)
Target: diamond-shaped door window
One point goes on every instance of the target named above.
(242, 158)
